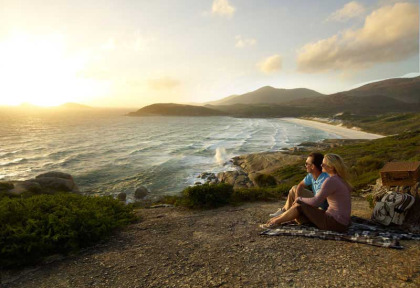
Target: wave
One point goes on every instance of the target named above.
(13, 162)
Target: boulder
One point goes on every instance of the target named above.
(53, 184)
(27, 186)
(56, 182)
(141, 192)
(238, 179)
(122, 196)
(55, 174)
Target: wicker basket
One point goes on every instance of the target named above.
(400, 173)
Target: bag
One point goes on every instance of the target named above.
(392, 208)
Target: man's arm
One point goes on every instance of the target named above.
(300, 187)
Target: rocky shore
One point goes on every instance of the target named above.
(250, 166)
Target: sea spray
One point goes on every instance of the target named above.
(221, 155)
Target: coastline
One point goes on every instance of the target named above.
(345, 133)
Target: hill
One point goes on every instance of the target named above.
(402, 89)
(268, 95)
(170, 109)
(73, 106)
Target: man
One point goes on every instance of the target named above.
(314, 179)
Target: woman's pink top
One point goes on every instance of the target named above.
(337, 193)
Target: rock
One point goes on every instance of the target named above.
(265, 162)
(238, 179)
(53, 184)
(30, 186)
(6, 185)
(197, 183)
(122, 196)
(56, 182)
(55, 174)
(27, 186)
(141, 192)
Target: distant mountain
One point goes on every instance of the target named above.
(73, 106)
(402, 89)
(170, 109)
(268, 95)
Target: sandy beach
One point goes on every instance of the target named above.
(345, 133)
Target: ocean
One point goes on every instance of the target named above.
(108, 152)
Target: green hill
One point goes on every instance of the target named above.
(170, 109)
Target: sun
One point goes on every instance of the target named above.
(40, 70)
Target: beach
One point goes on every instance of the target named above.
(345, 133)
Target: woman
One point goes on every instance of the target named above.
(336, 189)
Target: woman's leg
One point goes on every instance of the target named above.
(321, 219)
(287, 216)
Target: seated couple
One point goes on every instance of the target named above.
(328, 207)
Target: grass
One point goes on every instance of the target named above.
(386, 124)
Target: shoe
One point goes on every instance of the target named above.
(268, 226)
(278, 213)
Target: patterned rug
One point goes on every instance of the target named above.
(360, 231)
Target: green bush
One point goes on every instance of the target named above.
(265, 180)
(259, 194)
(39, 226)
(206, 196)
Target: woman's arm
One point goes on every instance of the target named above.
(327, 189)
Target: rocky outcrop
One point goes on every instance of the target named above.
(238, 179)
(47, 183)
(265, 162)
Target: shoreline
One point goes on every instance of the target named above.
(345, 133)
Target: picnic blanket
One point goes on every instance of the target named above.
(360, 231)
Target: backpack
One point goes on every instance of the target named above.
(392, 208)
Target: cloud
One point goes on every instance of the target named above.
(389, 34)
(271, 64)
(350, 10)
(223, 8)
(243, 42)
(165, 83)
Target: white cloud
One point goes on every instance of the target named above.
(165, 83)
(243, 42)
(350, 10)
(223, 8)
(271, 64)
(389, 34)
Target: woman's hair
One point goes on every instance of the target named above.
(336, 162)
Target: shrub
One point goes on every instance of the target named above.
(206, 195)
(39, 226)
(265, 180)
(259, 194)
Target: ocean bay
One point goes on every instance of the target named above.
(107, 152)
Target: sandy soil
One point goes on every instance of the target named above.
(173, 247)
(343, 132)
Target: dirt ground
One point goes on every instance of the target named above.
(173, 247)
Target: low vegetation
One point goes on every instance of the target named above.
(387, 124)
(36, 227)
(215, 195)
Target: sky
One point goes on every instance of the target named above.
(131, 53)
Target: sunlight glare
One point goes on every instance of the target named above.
(38, 70)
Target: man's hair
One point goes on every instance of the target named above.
(317, 159)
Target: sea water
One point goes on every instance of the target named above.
(108, 152)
